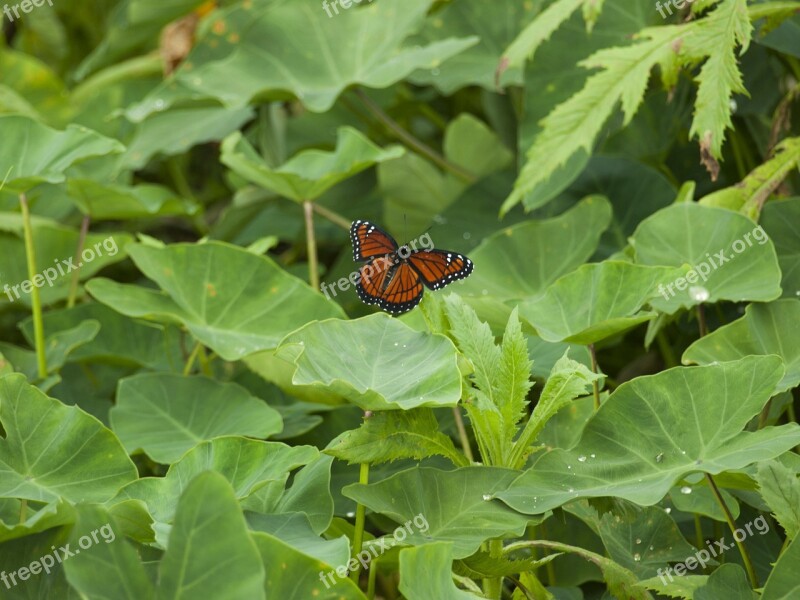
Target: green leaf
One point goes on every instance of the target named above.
(391, 435)
(34, 153)
(352, 358)
(52, 451)
(109, 567)
(455, 505)
(780, 489)
(676, 587)
(728, 581)
(749, 196)
(233, 301)
(654, 430)
(425, 572)
(568, 380)
(310, 173)
(643, 540)
(556, 247)
(295, 575)
(732, 257)
(210, 551)
(166, 414)
(366, 46)
(764, 329)
(782, 583)
(109, 202)
(248, 465)
(498, 24)
(779, 220)
(596, 302)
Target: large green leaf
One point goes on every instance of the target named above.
(654, 430)
(455, 505)
(210, 552)
(311, 173)
(764, 329)
(233, 301)
(292, 574)
(733, 257)
(52, 451)
(783, 583)
(166, 414)
(551, 248)
(497, 24)
(34, 153)
(253, 49)
(248, 464)
(426, 572)
(728, 581)
(352, 359)
(780, 220)
(596, 302)
(108, 568)
(106, 202)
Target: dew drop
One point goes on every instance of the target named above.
(637, 557)
(570, 490)
(569, 466)
(638, 540)
(698, 293)
(592, 455)
(351, 514)
(581, 458)
(686, 490)
(397, 343)
(487, 497)
(734, 105)
(659, 457)
(651, 547)
(668, 510)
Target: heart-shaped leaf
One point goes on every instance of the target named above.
(310, 173)
(426, 572)
(233, 301)
(52, 451)
(351, 359)
(654, 430)
(166, 414)
(210, 550)
(452, 506)
(364, 46)
(34, 153)
(595, 302)
(731, 257)
(108, 202)
(764, 329)
(551, 248)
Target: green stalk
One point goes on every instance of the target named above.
(462, 434)
(192, 357)
(332, 216)
(36, 301)
(493, 587)
(361, 513)
(748, 564)
(595, 383)
(311, 244)
(75, 278)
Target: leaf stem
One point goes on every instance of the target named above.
(666, 350)
(36, 300)
(73, 284)
(748, 564)
(701, 320)
(462, 434)
(493, 586)
(333, 217)
(411, 141)
(361, 513)
(595, 383)
(192, 357)
(311, 244)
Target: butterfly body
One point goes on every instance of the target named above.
(394, 277)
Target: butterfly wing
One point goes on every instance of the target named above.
(394, 286)
(438, 268)
(370, 241)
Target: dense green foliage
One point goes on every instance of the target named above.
(194, 402)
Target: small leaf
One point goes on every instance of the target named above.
(780, 488)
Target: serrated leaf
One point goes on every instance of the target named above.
(391, 435)
(780, 488)
(783, 583)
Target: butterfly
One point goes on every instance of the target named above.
(393, 275)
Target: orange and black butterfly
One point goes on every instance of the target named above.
(393, 275)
